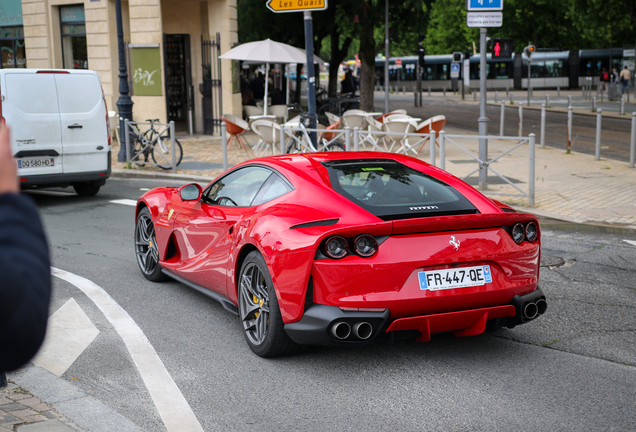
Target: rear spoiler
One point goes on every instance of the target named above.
(459, 222)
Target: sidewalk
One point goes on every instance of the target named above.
(573, 187)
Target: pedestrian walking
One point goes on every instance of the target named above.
(25, 269)
(625, 77)
(603, 81)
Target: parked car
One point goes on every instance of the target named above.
(60, 133)
(343, 248)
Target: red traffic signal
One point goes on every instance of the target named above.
(502, 48)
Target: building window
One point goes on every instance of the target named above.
(74, 52)
(12, 47)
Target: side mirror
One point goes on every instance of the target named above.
(190, 192)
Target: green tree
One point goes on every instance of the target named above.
(447, 30)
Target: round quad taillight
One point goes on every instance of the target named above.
(335, 247)
(365, 245)
(518, 233)
(531, 231)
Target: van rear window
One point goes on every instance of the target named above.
(391, 191)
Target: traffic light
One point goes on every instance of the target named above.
(421, 52)
(529, 50)
(502, 48)
(458, 57)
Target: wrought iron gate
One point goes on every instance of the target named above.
(211, 89)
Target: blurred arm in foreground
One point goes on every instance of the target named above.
(25, 274)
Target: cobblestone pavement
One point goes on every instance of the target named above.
(18, 409)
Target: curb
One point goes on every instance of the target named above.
(132, 173)
(69, 400)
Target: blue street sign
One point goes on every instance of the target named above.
(455, 67)
(484, 5)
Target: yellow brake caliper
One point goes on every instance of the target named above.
(258, 302)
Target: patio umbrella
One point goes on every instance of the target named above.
(268, 51)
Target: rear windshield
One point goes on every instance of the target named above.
(390, 190)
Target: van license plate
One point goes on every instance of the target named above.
(35, 163)
(455, 278)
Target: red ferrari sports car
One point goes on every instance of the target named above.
(344, 249)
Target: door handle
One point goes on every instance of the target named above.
(75, 126)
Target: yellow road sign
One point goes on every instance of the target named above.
(296, 5)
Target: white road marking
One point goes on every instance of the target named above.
(631, 242)
(125, 202)
(144, 189)
(70, 331)
(169, 401)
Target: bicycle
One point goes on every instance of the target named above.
(338, 105)
(155, 144)
(300, 141)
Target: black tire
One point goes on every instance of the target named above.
(294, 145)
(146, 247)
(139, 151)
(162, 150)
(86, 189)
(259, 312)
(335, 146)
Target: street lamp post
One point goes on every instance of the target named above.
(124, 103)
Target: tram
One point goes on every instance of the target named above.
(548, 69)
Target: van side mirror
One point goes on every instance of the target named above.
(190, 192)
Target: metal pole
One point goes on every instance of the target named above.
(442, 150)
(598, 134)
(594, 104)
(224, 141)
(632, 146)
(569, 137)
(531, 170)
(172, 144)
(496, 95)
(569, 100)
(483, 119)
(520, 118)
(529, 89)
(542, 125)
(547, 100)
(501, 121)
(559, 91)
(124, 103)
(429, 90)
(347, 138)
(512, 101)
(622, 105)
(311, 78)
(386, 54)
(282, 138)
(431, 141)
(356, 139)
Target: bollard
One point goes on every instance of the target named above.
(594, 104)
(444, 91)
(569, 137)
(224, 141)
(569, 100)
(415, 97)
(507, 91)
(542, 125)
(474, 95)
(559, 91)
(520, 118)
(431, 145)
(511, 98)
(583, 91)
(356, 139)
(404, 90)
(632, 146)
(622, 105)
(501, 122)
(429, 90)
(598, 134)
(442, 150)
(282, 139)
(531, 146)
(547, 100)
(496, 96)
(347, 138)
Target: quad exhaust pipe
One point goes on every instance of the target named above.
(342, 330)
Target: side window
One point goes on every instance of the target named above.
(238, 188)
(273, 188)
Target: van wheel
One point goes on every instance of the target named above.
(86, 189)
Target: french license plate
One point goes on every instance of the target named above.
(460, 277)
(36, 163)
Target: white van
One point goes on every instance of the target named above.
(59, 127)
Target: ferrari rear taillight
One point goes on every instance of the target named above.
(337, 247)
(524, 232)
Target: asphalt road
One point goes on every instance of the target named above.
(572, 369)
(615, 135)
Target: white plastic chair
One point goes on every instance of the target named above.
(251, 110)
(355, 118)
(113, 120)
(435, 123)
(269, 136)
(402, 126)
(280, 111)
(332, 118)
(376, 137)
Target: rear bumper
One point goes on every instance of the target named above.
(62, 180)
(330, 325)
